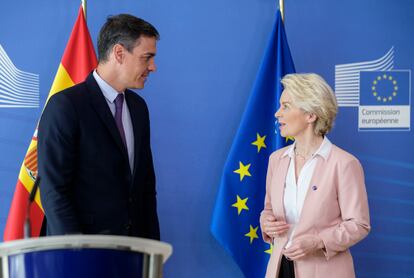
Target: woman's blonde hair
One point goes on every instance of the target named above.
(312, 94)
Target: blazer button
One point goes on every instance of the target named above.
(131, 200)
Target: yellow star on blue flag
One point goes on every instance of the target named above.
(259, 143)
(270, 250)
(252, 234)
(240, 204)
(243, 170)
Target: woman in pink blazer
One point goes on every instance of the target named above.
(316, 203)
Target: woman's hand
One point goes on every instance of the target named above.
(270, 227)
(303, 246)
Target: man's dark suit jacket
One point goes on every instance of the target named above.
(87, 186)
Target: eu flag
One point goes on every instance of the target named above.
(384, 88)
(235, 222)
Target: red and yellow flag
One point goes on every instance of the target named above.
(78, 60)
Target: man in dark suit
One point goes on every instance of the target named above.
(94, 150)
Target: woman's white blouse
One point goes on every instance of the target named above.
(295, 191)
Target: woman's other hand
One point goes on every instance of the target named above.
(302, 246)
(270, 227)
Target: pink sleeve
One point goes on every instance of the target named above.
(353, 203)
(267, 202)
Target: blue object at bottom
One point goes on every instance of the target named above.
(77, 263)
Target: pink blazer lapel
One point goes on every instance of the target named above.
(279, 188)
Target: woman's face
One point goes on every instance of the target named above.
(293, 121)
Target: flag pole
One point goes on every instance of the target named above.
(282, 9)
(84, 8)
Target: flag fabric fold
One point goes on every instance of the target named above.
(78, 60)
(235, 221)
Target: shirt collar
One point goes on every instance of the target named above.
(323, 151)
(109, 93)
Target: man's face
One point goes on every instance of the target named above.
(138, 63)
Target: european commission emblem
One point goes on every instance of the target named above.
(381, 93)
(384, 100)
(18, 89)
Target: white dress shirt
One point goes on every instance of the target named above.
(110, 94)
(295, 191)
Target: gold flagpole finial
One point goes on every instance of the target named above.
(84, 8)
(282, 9)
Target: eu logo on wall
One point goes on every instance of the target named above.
(384, 100)
(18, 89)
(381, 93)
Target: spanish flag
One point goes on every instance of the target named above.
(78, 60)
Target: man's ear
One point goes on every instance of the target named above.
(118, 51)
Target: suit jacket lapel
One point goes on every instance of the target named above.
(102, 109)
(136, 126)
(279, 187)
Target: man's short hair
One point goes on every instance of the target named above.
(124, 29)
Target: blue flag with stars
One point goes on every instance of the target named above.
(235, 222)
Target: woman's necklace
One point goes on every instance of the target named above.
(302, 155)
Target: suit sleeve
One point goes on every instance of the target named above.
(353, 203)
(57, 154)
(152, 228)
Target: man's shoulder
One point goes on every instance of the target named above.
(134, 98)
(77, 90)
(75, 94)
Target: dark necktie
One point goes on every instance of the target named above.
(119, 100)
